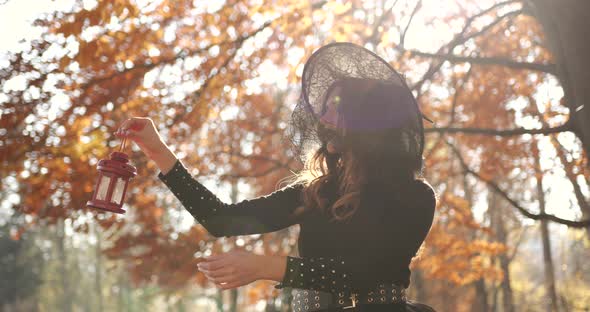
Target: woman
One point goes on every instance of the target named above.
(362, 205)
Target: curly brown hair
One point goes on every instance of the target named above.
(375, 158)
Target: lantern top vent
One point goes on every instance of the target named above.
(122, 157)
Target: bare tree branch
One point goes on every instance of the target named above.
(500, 61)
(488, 10)
(402, 37)
(497, 132)
(180, 55)
(502, 193)
(459, 88)
(519, 240)
(238, 44)
(461, 38)
(490, 25)
(567, 165)
(375, 33)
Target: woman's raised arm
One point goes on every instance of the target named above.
(263, 214)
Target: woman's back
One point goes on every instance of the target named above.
(379, 241)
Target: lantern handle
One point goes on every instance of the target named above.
(122, 146)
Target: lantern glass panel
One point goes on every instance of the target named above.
(103, 188)
(117, 197)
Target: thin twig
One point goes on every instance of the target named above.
(503, 194)
(502, 133)
(545, 68)
(414, 11)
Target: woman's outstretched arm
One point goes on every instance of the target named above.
(262, 214)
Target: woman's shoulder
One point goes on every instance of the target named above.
(412, 205)
(424, 187)
(424, 193)
(419, 192)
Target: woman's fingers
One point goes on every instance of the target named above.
(214, 257)
(225, 271)
(133, 124)
(221, 275)
(222, 279)
(213, 265)
(229, 270)
(122, 128)
(218, 269)
(137, 124)
(231, 285)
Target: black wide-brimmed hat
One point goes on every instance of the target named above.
(340, 61)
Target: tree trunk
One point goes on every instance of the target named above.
(547, 258)
(233, 300)
(219, 300)
(497, 223)
(480, 303)
(98, 269)
(566, 24)
(233, 294)
(66, 296)
(481, 297)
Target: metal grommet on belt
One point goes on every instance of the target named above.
(347, 300)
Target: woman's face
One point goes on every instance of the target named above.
(330, 118)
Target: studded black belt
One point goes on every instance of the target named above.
(313, 300)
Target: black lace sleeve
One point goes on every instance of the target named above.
(358, 270)
(263, 214)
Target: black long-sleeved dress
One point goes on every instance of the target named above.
(375, 246)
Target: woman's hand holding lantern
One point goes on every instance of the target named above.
(143, 132)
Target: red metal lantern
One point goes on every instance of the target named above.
(114, 176)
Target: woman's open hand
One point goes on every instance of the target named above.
(232, 269)
(143, 132)
(239, 267)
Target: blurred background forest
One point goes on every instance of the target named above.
(505, 81)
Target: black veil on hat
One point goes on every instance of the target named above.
(343, 60)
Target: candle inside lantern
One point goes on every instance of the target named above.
(119, 190)
(114, 176)
(103, 188)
